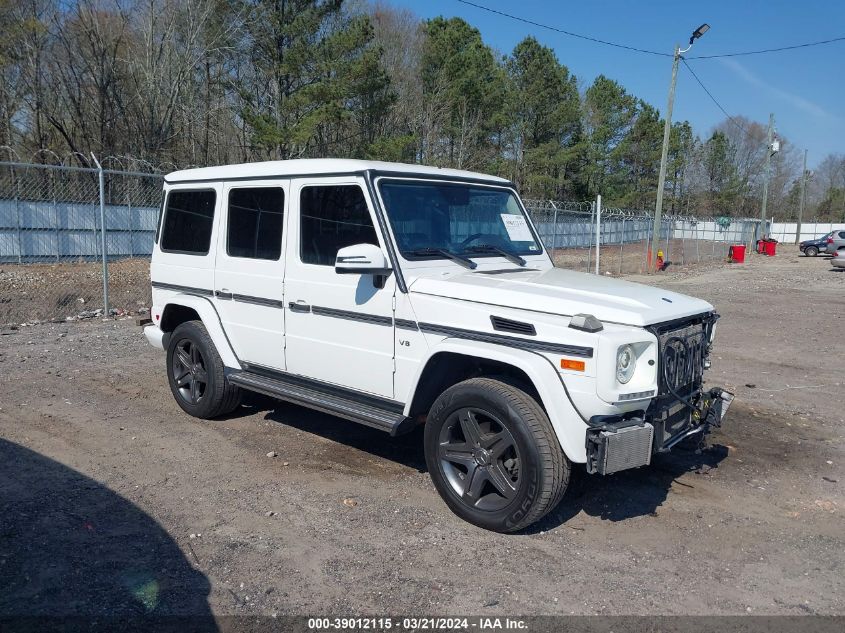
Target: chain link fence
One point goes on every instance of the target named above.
(51, 241)
(569, 231)
(52, 237)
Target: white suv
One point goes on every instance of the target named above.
(396, 295)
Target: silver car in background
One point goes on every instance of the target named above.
(836, 242)
(838, 259)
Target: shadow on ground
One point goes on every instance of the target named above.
(404, 449)
(616, 497)
(72, 548)
(629, 493)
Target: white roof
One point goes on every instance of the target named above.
(315, 166)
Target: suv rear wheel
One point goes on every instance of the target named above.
(493, 455)
(195, 373)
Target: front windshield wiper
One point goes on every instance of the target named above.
(489, 248)
(463, 261)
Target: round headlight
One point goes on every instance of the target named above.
(626, 362)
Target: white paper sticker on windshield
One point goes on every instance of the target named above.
(517, 228)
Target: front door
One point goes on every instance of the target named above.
(338, 327)
(249, 275)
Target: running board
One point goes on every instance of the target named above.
(314, 395)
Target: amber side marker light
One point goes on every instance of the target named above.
(574, 365)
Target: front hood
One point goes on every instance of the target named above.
(563, 292)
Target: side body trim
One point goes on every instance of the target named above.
(406, 324)
(176, 287)
(352, 316)
(510, 341)
(260, 301)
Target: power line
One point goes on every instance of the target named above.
(569, 33)
(771, 50)
(714, 100)
(645, 50)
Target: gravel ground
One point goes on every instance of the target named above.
(114, 501)
(55, 292)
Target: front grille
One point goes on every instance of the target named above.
(683, 347)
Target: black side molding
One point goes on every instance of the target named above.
(509, 341)
(176, 287)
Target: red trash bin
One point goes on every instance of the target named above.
(736, 253)
(770, 247)
(761, 246)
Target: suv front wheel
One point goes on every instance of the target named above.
(195, 373)
(493, 455)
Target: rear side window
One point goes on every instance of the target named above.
(255, 222)
(332, 217)
(842, 235)
(188, 219)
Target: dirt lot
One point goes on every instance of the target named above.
(114, 501)
(46, 292)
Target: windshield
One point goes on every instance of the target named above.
(436, 220)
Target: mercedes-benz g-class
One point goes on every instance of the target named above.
(400, 295)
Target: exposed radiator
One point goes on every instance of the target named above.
(625, 448)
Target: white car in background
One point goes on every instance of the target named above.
(395, 295)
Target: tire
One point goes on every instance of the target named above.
(811, 251)
(195, 373)
(493, 455)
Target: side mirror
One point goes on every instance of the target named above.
(361, 259)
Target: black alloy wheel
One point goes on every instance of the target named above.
(189, 371)
(196, 373)
(493, 455)
(479, 458)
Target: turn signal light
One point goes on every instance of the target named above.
(574, 365)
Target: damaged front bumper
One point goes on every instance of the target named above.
(617, 443)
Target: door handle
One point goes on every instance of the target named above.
(223, 293)
(299, 307)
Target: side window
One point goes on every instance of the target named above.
(188, 219)
(331, 217)
(255, 222)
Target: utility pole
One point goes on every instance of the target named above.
(766, 176)
(667, 131)
(801, 203)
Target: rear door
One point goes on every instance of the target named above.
(249, 278)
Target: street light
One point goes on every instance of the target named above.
(667, 130)
(701, 30)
